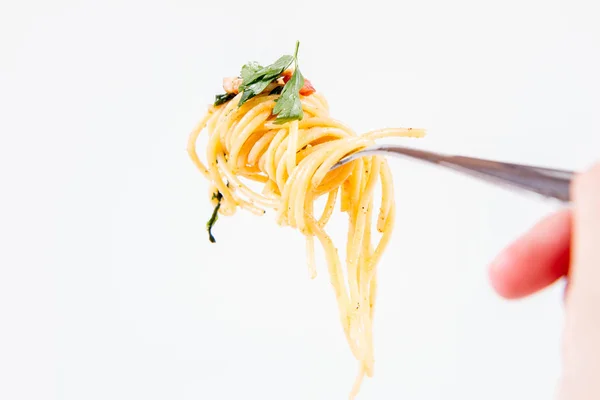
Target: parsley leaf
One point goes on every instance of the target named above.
(214, 217)
(255, 78)
(223, 98)
(275, 69)
(253, 90)
(289, 107)
(270, 72)
(277, 90)
(248, 70)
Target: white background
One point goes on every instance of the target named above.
(109, 288)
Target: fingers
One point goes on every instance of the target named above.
(586, 230)
(535, 260)
(581, 352)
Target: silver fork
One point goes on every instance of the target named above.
(548, 182)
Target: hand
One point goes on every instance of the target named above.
(566, 243)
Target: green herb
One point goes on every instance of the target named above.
(214, 217)
(270, 72)
(277, 90)
(250, 69)
(223, 98)
(253, 90)
(256, 78)
(289, 107)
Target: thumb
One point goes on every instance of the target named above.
(581, 363)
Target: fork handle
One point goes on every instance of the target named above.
(548, 182)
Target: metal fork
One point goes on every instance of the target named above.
(548, 182)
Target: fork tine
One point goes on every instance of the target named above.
(391, 150)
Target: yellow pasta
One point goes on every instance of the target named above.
(292, 162)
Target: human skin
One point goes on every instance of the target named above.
(565, 244)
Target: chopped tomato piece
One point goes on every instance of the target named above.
(307, 89)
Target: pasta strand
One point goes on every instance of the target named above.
(292, 161)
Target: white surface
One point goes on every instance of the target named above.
(109, 288)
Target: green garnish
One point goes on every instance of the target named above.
(253, 89)
(277, 90)
(255, 73)
(214, 217)
(249, 70)
(289, 107)
(256, 78)
(223, 98)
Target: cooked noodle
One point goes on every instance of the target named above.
(292, 161)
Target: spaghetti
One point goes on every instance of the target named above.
(292, 161)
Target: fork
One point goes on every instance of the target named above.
(548, 182)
